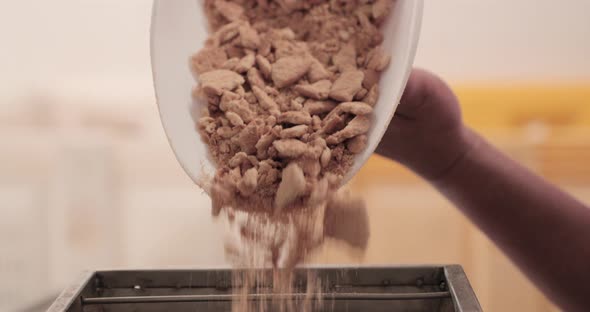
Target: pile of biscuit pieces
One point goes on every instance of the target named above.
(290, 88)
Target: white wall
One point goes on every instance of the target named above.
(469, 40)
(60, 42)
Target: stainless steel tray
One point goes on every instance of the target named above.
(427, 288)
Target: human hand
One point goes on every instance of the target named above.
(426, 134)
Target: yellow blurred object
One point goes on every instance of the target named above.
(560, 105)
(553, 121)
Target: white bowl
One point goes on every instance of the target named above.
(179, 29)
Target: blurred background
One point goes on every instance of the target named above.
(87, 179)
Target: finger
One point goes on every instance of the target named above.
(410, 95)
(422, 88)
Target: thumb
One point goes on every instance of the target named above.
(423, 90)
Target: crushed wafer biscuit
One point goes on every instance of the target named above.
(288, 88)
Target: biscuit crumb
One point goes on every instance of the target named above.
(288, 89)
(347, 85)
(289, 70)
